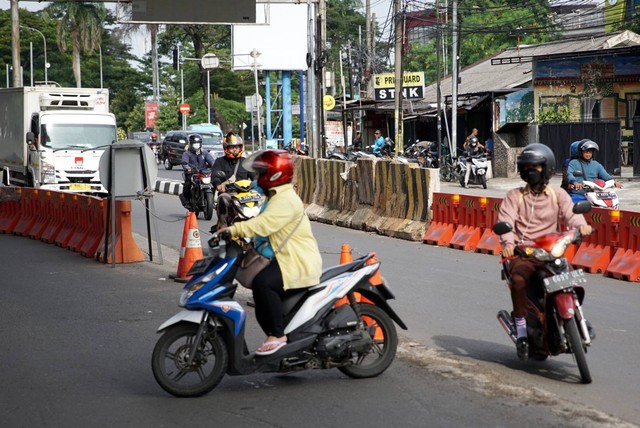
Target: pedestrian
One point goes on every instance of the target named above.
(357, 141)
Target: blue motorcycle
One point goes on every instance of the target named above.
(206, 339)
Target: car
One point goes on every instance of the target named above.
(175, 142)
(143, 136)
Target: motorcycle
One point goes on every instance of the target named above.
(599, 193)
(555, 320)
(240, 201)
(202, 194)
(155, 148)
(206, 339)
(478, 169)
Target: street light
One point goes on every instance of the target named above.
(209, 61)
(44, 41)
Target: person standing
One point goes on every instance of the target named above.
(472, 147)
(378, 144)
(357, 141)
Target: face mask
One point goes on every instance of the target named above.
(195, 146)
(532, 176)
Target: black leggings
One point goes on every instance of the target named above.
(268, 292)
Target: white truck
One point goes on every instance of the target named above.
(53, 137)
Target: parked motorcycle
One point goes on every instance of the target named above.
(206, 340)
(599, 193)
(202, 193)
(555, 320)
(478, 169)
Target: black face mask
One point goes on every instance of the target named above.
(532, 176)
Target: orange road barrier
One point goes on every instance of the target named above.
(97, 217)
(29, 210)
(9, 208)
(58, 219)
(444, 221)
(595, 252)
(489, 242)
(126, 249)
(191, 248)
(468, 232)
(625, 263)
(345, 254)
(70, 213)
(44, 204)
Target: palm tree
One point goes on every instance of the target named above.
(83, 24)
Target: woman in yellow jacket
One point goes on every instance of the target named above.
(298, 263)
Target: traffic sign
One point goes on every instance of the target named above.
(185, 108)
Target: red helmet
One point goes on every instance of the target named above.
(154, 136)
(274, 167)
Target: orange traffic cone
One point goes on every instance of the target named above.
(345, 254)
(376, 279)
(191, 249)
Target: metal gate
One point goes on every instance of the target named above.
(559, 136)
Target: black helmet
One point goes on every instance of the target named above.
(537, 154)
(195, 142)
(587, 144)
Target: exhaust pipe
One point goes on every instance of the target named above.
(505, 320)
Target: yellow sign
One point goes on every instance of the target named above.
(388, 80)
(328, 102)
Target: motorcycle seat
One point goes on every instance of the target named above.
(337, 270)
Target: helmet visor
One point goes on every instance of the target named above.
(250, 163)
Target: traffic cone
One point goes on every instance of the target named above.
(345, 254)
(376, 279)
(191, 249)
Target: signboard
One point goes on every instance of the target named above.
(412, 86)
(194, 11)
(185, 108)
(328, 102)
(150, 115)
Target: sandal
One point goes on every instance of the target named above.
(272, 346)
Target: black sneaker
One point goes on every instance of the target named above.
(522, 348)
(591, 330)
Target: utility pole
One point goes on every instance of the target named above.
(368, 43)
(15, 43)
(454, 82)
(321, 26)
(438, 91)
(398, 116)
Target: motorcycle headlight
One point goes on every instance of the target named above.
(206, 180)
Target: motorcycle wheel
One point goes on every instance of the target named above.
(170, 356)
(483, 179)
(383, 350)
(208, 205)
(167, 164)
(575, 343)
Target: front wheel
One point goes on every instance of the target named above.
(383, 349)
(575, 343)
(170, 361)
(167, 163)
(483, 181)
(208, 205)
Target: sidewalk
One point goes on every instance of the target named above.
(629, 195)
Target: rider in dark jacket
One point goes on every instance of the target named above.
(193, 159)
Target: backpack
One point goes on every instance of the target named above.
(573, 153)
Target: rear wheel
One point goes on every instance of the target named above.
(575, 343)
(170, 361)
(383, 350)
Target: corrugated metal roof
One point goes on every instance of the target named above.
(483, 77)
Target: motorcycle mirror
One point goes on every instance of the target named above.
(577, 173)
(502, 227)
(582, 207)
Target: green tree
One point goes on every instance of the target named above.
(81, 25)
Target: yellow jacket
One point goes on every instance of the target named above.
(299, 259)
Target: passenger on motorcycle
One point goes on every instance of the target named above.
(297, 262)
(533, 211)
(591, 169)
(194, 159)
(472, 147)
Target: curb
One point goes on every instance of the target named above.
(171, 187)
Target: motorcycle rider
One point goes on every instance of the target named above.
(193, 159)
(591, 169)
(533, 211)
(282, 218)
(232, 164)
(471, 147)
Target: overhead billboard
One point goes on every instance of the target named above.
(194, 11)
(281, 40)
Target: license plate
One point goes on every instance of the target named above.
(564, 280)
(249, 198)
(79, 186)
(604, 195)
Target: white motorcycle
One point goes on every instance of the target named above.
(600, 193)
(478, 164)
